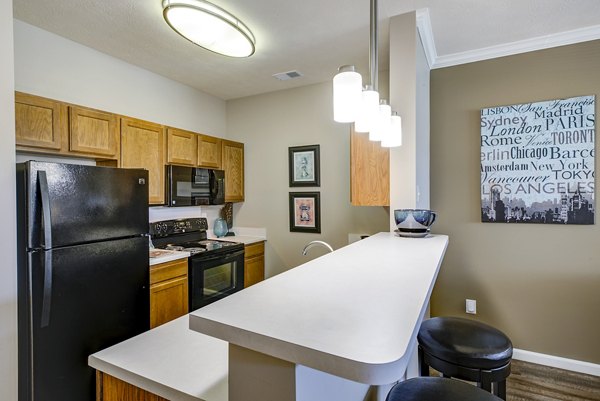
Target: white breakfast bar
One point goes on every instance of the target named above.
(333, 329)
(323, 328)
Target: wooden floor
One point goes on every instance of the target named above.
(529, 381)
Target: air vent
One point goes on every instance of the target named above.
(284, 76)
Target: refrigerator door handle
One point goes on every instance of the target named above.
(47, 216)
(47, 297)
(45, 197)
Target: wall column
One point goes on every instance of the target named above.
(8, 246)
(409, 96)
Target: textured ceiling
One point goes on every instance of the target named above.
(311, 36)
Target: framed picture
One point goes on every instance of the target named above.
(305, 212)
(304, 166)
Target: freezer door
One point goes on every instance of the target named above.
(72, 204)
(90, 297)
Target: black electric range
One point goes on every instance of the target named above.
(215, 268)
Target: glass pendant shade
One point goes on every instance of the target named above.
(382, 124)
(368, 111)
(393, 137)
(347, 92)
(209, 26)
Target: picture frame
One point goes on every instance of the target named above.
(305, 212)
(304, 166)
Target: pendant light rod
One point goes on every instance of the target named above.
(373, 68)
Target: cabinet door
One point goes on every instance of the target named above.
(209, 152)
(181, 147)
(233, 164)
(93, 132)
(369, 172)
(109, 388)
(254, 270)
(39, 122)
(143, 146)
(168, 300)
(254, 263)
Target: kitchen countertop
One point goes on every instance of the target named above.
(164, 255)
(170, 361)
(353, 313)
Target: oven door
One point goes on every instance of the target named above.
(214, 277)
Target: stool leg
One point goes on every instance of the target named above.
(500, 389)
(423, 367)
(486, 385)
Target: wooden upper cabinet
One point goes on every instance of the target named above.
(209, 152)
(93, 132)
(143, 146)
(181, 147)
(233, 164)
(369, 172)
(39, 122)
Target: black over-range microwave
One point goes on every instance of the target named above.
(192, 186)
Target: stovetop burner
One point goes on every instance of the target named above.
(188, 235)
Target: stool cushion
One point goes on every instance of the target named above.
(437, 389)
(465, 342)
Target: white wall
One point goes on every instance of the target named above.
(268, 124)
(51, 66)
(8, 246)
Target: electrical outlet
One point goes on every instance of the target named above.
(471, 306)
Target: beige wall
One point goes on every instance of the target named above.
(269, 124)
(8, 246)
(540, 284)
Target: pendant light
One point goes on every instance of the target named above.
(364, 109)
(209, 26)
(393, 137)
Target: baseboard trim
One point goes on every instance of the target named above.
(557, 362)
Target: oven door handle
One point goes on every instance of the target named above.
(225, 256)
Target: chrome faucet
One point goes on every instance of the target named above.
(314, 243)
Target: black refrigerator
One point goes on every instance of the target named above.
(83, 275)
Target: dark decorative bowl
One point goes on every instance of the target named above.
(414, 222)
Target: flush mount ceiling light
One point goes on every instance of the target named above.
(209, 26)
(354, 104)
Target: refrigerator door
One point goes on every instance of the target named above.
(91, 296)
(72, 204)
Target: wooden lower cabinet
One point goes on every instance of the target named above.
(254, 263)
(109, 388)
(168, 291)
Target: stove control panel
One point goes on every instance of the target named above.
(169, 227)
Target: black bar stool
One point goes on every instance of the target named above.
(437, 389)
(467, 350)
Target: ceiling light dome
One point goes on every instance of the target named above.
(209, 26)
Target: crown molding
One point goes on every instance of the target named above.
(426, 34)
(522, 46)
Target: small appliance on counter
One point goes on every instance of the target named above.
(414, 223)
(215, 268)
(82, 272)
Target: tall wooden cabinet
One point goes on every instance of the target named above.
(233, 164)
(168, 291)
(369, 171)
(143, 146)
